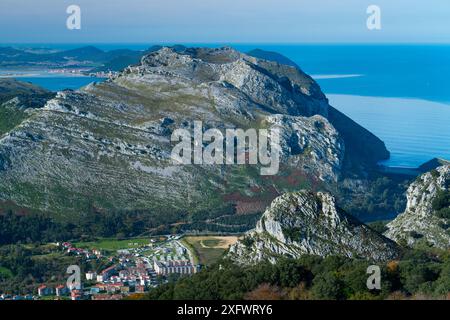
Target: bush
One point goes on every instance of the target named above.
(443, 213)
(415, 234)
(442, 200)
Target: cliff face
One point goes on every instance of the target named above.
(108, 145)
(310, 223)
(421, 219)
(357, 153)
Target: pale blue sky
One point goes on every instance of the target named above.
(224, 21)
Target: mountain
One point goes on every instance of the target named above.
(15, 98)
(118, 60)
(84, 53)
(427, 214)
(305, 222)
(107, 146)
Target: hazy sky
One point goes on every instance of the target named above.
(219, 21)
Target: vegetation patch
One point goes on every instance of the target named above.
(420, 274)
(441, 204)
(10, 118)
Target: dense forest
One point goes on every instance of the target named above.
(41, 228)
(419, 274)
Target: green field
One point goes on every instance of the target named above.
(113, 244)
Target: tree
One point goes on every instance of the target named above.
(328, 286)
(265, 292)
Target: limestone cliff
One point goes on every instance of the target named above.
(310, 223)
(422, 219)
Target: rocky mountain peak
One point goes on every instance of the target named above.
(310, 223)
(272, 87)
(108, 145)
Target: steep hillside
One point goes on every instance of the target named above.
(11, 88)
(17, 98)
(427, 214)
(108, 145)
(310, 223)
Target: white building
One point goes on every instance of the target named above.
(45, 291)
(170, 267)
(91, 275)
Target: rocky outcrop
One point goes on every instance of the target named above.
(310, 223)
(357, 154)
(108, 145)
(420, 221)
(311, 144)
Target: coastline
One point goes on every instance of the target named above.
(414, 130)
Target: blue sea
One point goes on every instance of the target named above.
(57, 83)
(399, 92)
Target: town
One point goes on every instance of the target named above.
(134, 268)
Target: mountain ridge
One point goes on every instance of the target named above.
(305, 222)
(108, 145)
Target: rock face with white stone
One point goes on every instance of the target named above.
(108, 145)
(419, 221)
(304, 222)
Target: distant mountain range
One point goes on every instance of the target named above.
(89, 56)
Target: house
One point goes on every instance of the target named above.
(106, 274)
(76, 294)
(100, 287)
(75, 286)
(95, 290)
(62, 290)
(91, 275)
(90, 256)
(124, 273)
(139, 289)
(107, 297)
(43, 290)
(66, 245)
(125, 289)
